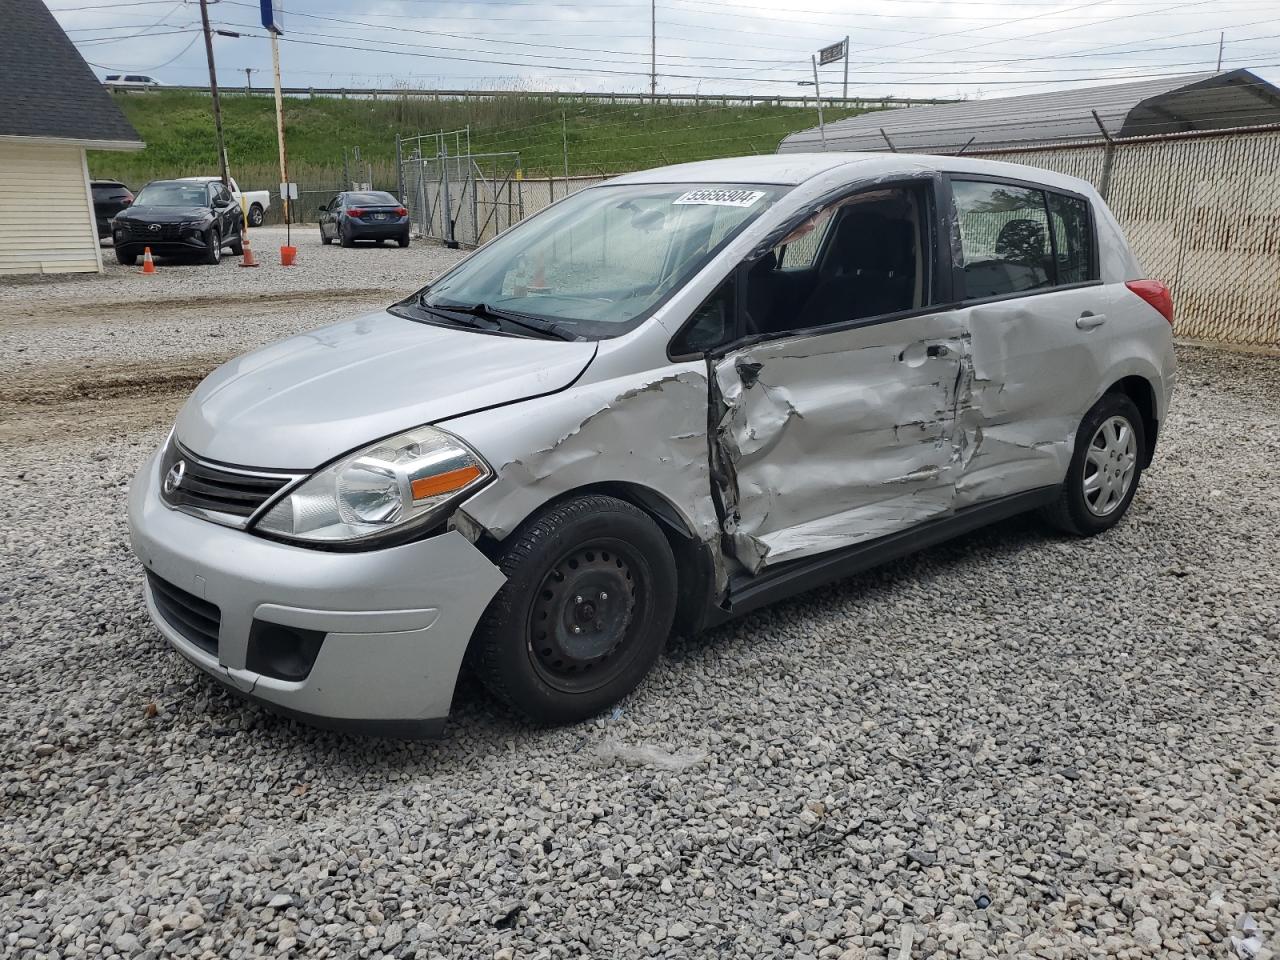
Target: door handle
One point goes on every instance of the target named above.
(1087, 320)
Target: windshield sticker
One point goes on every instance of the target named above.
(721, 198)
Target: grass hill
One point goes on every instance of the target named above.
(601, 137)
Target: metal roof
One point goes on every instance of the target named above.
(47, 91)
(1209, 101)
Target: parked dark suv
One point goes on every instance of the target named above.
(109, 198)
(177, 217)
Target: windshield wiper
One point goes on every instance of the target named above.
(462, 318)
(526, 320)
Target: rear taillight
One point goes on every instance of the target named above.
(125, 201)
(401, 212)
(1156, 294)
(355, 211)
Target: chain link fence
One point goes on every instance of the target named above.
(465, 199)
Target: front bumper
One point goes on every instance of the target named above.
(396, 622)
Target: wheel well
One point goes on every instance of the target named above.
(1143, 394)
(695, 577)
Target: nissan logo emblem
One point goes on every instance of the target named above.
(173, 479)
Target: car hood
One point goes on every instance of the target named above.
(300, 403)
(165, 214)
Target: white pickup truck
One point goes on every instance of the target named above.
(255, 203)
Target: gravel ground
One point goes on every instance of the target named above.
(190, 309)
(1013, 745)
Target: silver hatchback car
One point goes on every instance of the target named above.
(659, 403)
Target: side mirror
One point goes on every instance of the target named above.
(324, 209)
(221, 203)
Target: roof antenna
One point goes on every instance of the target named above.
(1222, 37)
(892, 148)
(967, 145)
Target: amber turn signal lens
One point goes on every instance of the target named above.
(443, 482)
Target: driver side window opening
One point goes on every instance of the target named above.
(862, 257)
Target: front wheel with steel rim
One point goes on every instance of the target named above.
(1105, 468)
(584, 613)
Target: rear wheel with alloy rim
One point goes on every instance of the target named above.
(584, 613)
(1105, 468)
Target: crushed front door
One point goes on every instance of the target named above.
(831, 439)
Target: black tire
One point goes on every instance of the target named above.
(403, 241)
(345, 238)
(126, 258)
(237, 245)
(525, 650)
(256, 215)
(213, 253)
(325, 238)
(1071, 512)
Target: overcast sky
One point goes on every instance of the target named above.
(917, 48)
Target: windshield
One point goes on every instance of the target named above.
(173, 195)
(599, 262)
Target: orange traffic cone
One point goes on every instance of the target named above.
(148, 265)
(248, 260)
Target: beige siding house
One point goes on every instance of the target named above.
(46, 205)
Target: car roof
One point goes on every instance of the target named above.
(201, 179)
(792, 169)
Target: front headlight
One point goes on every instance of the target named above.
(393, 486)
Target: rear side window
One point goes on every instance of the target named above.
(1072, 237)
(1004, 238)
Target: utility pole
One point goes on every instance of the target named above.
(213, 89)
(653, 51)
(1222, 39)
(284, 167)
(248, 83)
(817, 92)
(564, 142)
(846, 70)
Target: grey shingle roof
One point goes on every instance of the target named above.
(46, 88)
(1173, 104)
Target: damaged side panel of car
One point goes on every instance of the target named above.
(645, 430)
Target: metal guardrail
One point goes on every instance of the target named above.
(884, 103)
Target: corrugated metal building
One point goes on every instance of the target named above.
(1237, 98)
(52, 108)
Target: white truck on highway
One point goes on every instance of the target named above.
(255, 203)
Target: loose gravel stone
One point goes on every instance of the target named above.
(879, 763)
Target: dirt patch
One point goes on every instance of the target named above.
(30, 313)
(76, 401)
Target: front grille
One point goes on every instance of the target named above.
(203, 488)
(197, 620)
(143, 231)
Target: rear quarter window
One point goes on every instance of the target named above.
(1073, 237)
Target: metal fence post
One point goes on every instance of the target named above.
(447, 204)
(399, 169)
(1108, 157)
